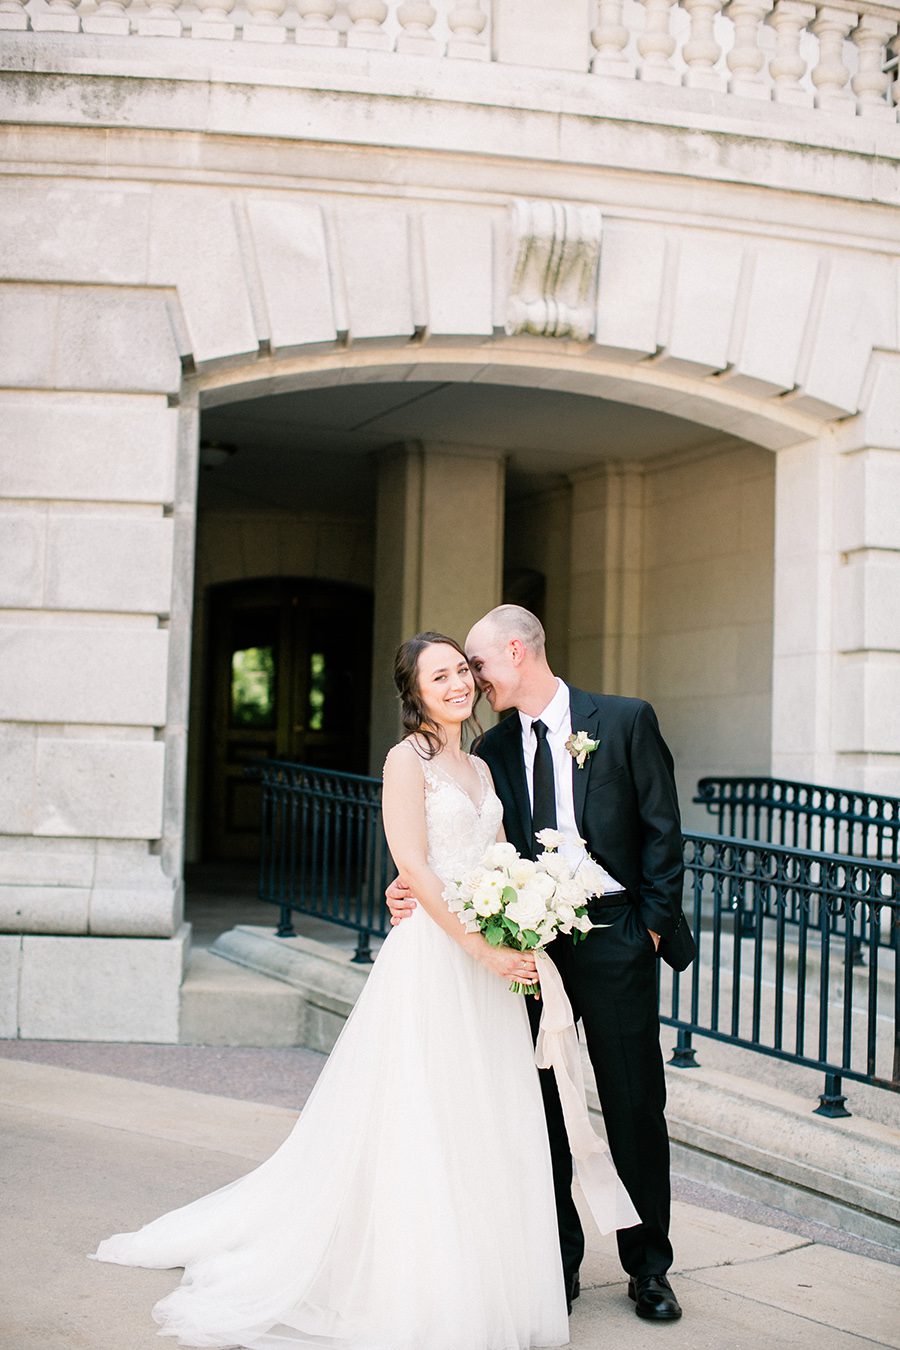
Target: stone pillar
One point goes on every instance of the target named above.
(605, 605)
(92, 664)
(438, 557)
(836, 675)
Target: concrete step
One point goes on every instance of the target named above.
(225, 1004)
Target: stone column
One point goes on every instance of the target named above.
(438, 557)
(92, 658)
(836, 672)
(605, 605)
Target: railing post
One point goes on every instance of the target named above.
(684, 1056)
(831, 1101)
(363, 954)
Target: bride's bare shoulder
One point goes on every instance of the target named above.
(405, 758)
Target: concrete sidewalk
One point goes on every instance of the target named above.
(87, 1154)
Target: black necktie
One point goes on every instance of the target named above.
(543, 810)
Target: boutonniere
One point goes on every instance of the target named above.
(579, 746)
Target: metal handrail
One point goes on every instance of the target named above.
(779, 929)
(804, 815)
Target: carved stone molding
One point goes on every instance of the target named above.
(554, 249)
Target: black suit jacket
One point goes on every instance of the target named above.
(626, 805)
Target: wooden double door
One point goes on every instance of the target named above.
(289, 677)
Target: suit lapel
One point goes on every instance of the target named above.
(513, 762)
(585, 717)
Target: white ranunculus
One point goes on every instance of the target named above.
(500, 855)
(550, 839)
(488, 898)
(521, 871)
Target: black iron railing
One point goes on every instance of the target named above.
(804, 815)
(323, 850)
(798, 950)
(788, 983)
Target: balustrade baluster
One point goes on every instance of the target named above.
(314, 28)
(264, 22)
(467, 22)
(830, 76)
(610, 38)
(215, 21)
(656, 44)
(416, 18)
(13, 16)
(701, 52)
(894, 50)
(160, 20)
(787, 67)
(870, 83)
(367, 18)
(109, 18)
(746, 60)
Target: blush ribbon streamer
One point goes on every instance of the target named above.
(557, 1049)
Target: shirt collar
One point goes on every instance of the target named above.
(553, 716)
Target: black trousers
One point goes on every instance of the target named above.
(610, 978)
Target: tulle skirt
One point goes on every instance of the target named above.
(411, 1207)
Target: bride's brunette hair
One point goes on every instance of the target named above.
(406, 677)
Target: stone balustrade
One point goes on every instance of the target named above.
(838, 57)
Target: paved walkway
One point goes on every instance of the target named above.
(87, 1153)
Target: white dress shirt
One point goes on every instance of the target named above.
(557, 718)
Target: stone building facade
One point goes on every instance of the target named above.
(326, 322)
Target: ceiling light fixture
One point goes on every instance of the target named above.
(213, 454)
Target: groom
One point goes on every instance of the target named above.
(621, 801)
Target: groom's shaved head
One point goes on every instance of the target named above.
(512, 621)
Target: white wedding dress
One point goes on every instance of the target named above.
(411, 1207)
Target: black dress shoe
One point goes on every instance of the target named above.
(653, 1298)
(573, 1289)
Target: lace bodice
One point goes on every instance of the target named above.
(459, 832)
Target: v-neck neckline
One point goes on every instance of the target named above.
(445, 777)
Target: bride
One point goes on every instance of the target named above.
(412, 1205)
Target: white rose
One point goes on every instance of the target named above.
(566, 914)
(500, 855)
(528, 909)
(542, 884)
(550, 839)
(590, 874)
(554, 864)
(569, 892)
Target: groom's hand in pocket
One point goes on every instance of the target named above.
(400, 900)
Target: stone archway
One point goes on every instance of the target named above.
(98, 443)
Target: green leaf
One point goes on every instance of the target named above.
(494, 936)
(509, 895)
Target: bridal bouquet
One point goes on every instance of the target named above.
(515, 902)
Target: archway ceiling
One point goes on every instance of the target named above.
(314, 450)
